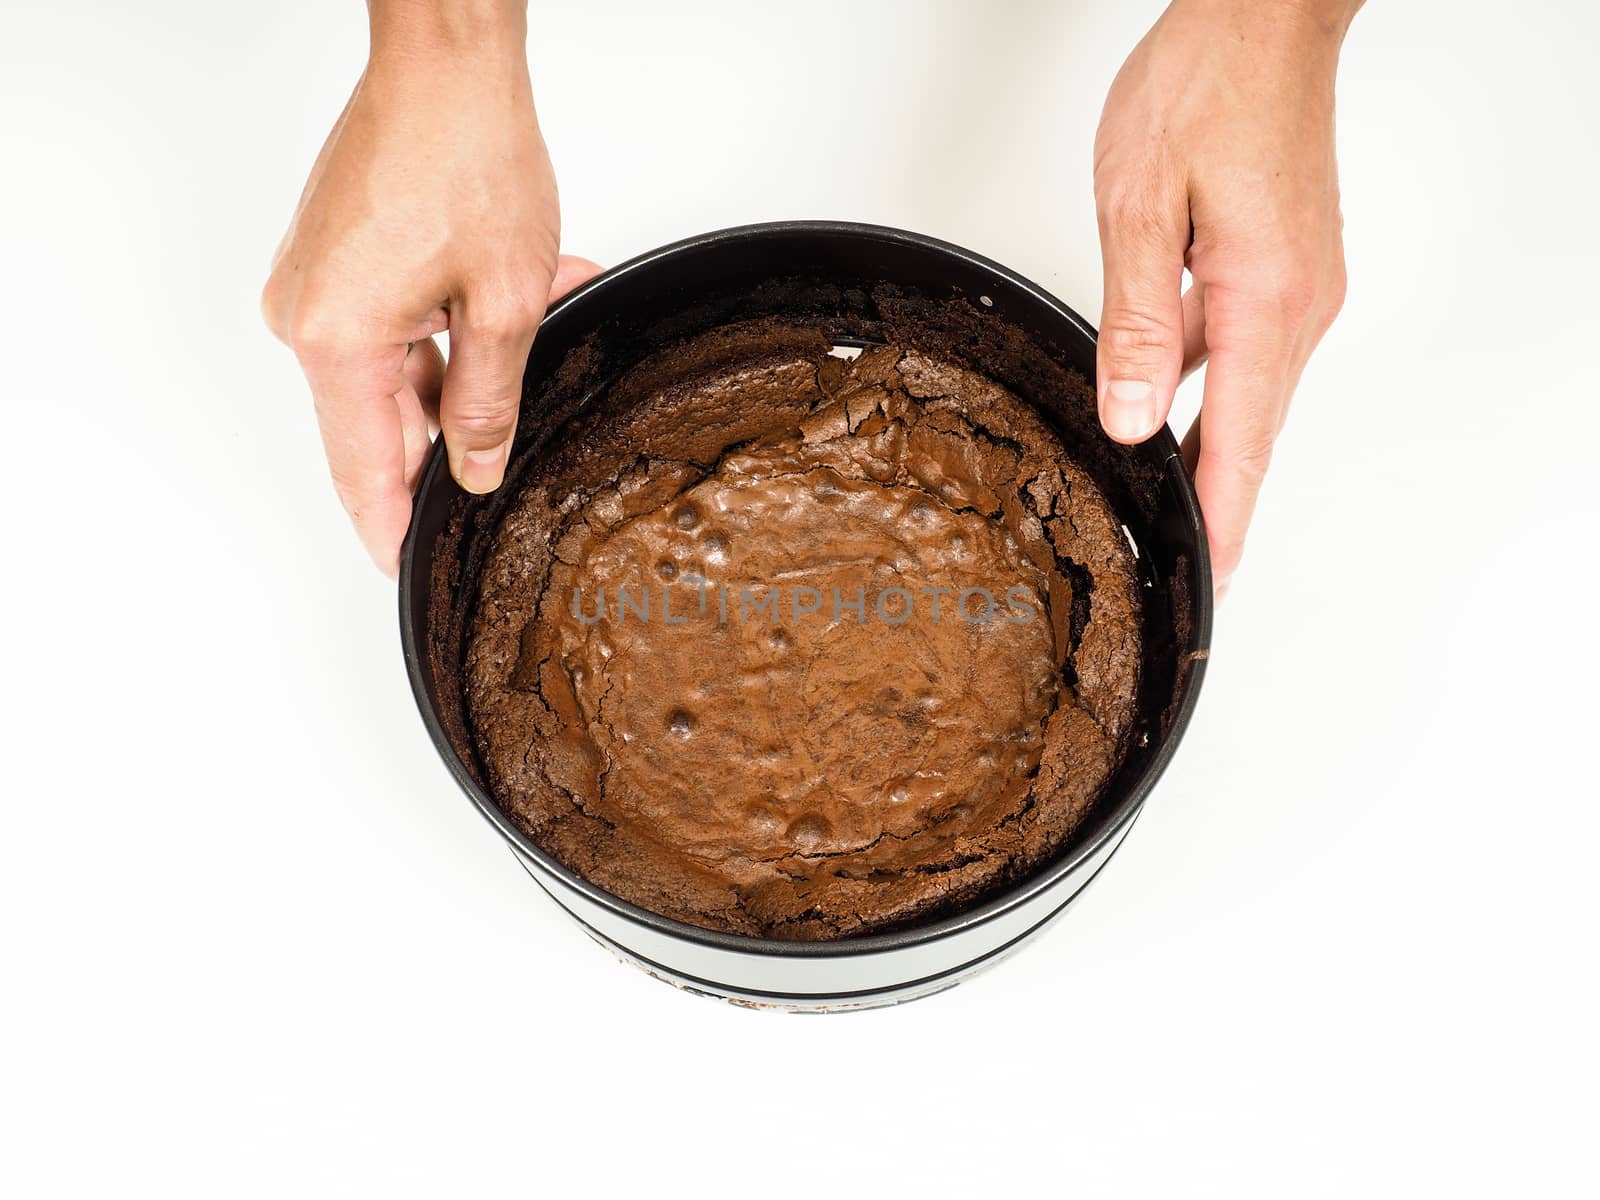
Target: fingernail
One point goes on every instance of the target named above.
(1128, 409)
(1222, 588)
(482, 470)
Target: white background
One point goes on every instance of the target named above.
(252, 941)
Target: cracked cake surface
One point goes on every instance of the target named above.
(784, 644)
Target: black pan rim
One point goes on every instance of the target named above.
(1106, 828)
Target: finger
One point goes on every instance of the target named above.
(1194, 330)
(571, 272)
(424, 371)
(357, 392)
(1140, 357)
(1190, 450)
(1190, 447)
(414, 430)
(1246, 386)
(419, 405)
(483, 389)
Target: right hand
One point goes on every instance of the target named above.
(432, 206)
(1216, 152)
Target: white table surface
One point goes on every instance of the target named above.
(252, 942)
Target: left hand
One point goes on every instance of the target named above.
(1216, 152)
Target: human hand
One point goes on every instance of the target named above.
(1216, 152)
(432, 206)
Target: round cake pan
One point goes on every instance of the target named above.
(856, 283)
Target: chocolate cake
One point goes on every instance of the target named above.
(782, 643)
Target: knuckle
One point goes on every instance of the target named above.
(1283, 277)
(482, 424)
(1295, 288)
(1120, 187)
(272, 305)
(1251, 458)
(507, 319)
(1338, 286)
(316, 326)
(1133, 336)
(358, 489)
(495, 327)
(1139, 221)
(1132, 205)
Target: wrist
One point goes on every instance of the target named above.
(1320, 22)
(1331, 18)
(480, 31)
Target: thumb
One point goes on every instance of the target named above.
(1140, 357)
(483, 389)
